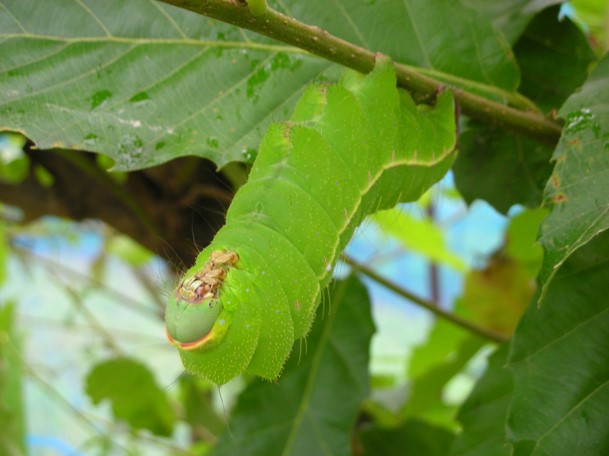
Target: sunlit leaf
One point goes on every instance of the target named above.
(497, 295)
(578, 190)
(12, 416)
(417, 235)
(143, 82)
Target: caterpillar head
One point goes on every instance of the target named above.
(193, 310)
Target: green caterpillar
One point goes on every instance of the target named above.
(349, 150)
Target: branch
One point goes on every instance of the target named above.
(145, 206)
(457, 320)
(319, 42)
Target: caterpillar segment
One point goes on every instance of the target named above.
(340, 157)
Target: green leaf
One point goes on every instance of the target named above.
(135, 396)
(311, 410)
(443, 341)
(504, 168)
(433, 364)
(418, 32)
(128, 250)
(554, 57)
(141, 82)
(521, 239)
(559, 360)
(14, 164)
(425, 399)
(510, 16)
(578, 190)
(500, 167)
(497, 294)
(199, 412)
(420, 236)
(12, 431)
(593, 16)
(411, 438)
(3, 251)
(144, 83)
(484, 412)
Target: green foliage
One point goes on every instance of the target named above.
(312, 408)
(135, 396)
(483, 413)
(12, 432)
(14, 164)
(558, 358)
(411, 437)
(420, 236)
(576, 193)
(142, 83)
(504, 168)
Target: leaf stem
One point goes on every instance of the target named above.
(321, 43)
(457, 320)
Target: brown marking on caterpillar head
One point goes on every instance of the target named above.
(206, 283)
(223, 257)
(559, 198)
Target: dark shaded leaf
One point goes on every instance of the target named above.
(510, 16)
(435, 34)
(199, 412)
(506, 169)
(312, 409)
(411, 438)
(484, 412)
(501, 168)
(554, 56)
(559, 359)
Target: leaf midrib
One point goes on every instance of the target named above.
(250, 45)
(316, 364)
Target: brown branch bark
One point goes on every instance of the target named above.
(145, 206)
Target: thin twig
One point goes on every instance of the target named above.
(465, 324)
(121, 297)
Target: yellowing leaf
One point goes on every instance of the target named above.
(498, 295)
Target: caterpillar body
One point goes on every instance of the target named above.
(348, 150)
